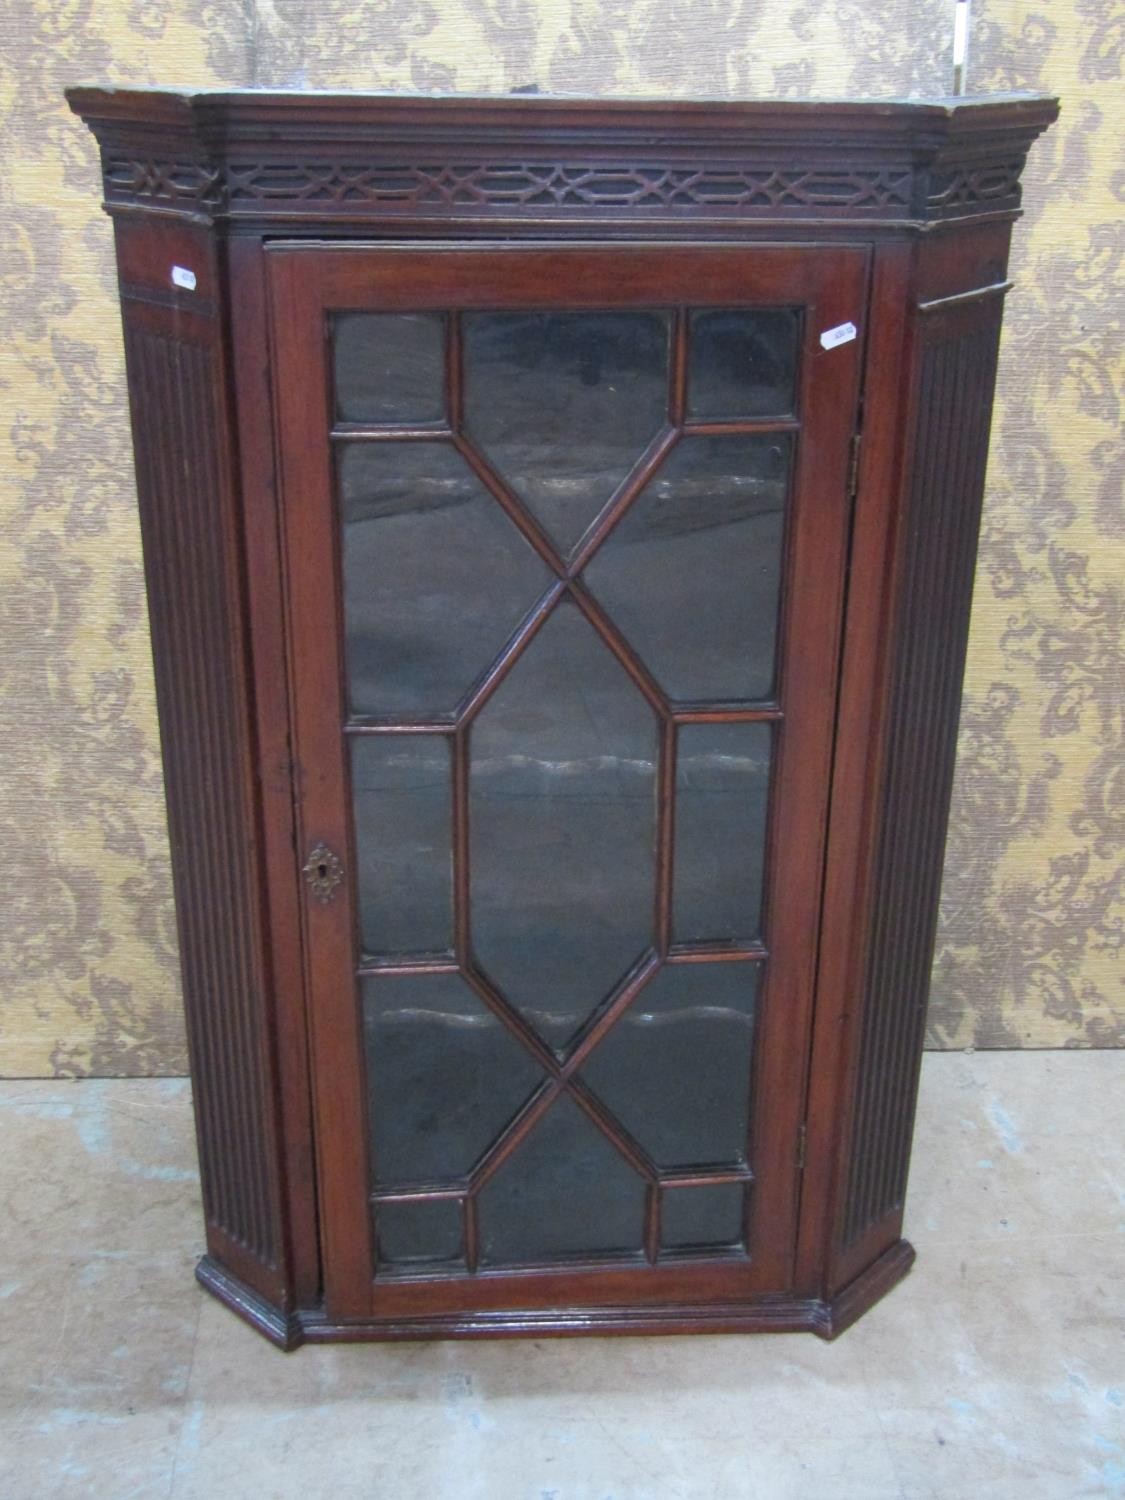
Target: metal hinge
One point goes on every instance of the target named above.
(802, 1137)
(853, 467)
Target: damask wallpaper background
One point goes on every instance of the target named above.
(1030, 950)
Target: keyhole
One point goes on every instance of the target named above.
(322, 869)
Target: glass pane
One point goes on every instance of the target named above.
(444, 1076)
(562, 788)
(702, 1218)
(564, 404)
(742, 363)
(675, 1069)
(390, 367)
(722, 797)
(691, 574)
(566, 1190)
(402, 801)
(419, 1234)
(436, 577)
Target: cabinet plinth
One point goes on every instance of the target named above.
(559, 523)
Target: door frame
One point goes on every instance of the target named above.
(305, 281)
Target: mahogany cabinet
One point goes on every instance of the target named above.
(559, 521)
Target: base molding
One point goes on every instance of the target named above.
(872, 1283)
(782, 1314)
(282, 1329)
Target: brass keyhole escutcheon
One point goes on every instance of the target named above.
(323, 871)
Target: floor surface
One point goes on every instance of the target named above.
(996, 1369)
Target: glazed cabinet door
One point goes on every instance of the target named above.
(566, 536)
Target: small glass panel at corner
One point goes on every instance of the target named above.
(702, 1217)
(424, 1235)
(390, 367)
(742, 363)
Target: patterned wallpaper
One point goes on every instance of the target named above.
(1030, 949)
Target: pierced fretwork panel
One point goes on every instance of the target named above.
(563, 540)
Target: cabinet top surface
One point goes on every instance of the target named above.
(170, 105)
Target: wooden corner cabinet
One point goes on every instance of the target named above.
(559, 522)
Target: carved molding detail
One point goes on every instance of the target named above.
(491, 186)
(245, 186)
(151, 180)
(502, 184)
(979, 183)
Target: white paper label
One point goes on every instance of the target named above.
(181, 276)
(843, 333)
